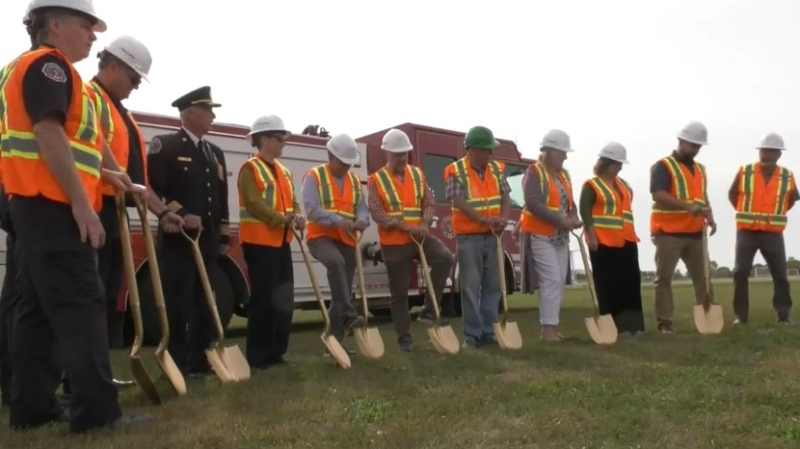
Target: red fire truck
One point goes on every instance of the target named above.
(433, 150)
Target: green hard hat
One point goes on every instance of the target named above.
(480, 137)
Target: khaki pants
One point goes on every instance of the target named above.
(669, 250)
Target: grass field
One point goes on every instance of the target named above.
(736, 390)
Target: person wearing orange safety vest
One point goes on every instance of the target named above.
(54, 160)
(268, 210)
(402, 205)
(607, 214)
(479, 195)
(336, 210)
(548, 217)
(122, 66)
(680, 212)
(762, 194)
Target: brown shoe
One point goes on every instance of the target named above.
(665, 327)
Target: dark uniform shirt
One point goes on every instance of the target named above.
(191, 180)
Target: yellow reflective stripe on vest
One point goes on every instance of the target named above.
(682, 186)
(327, 195)
(544, 185)
(104, 113)
(396, 208)
(269, 194)
(4, 75)
(479, 204)
(748, 216)
(24, 145)
(609, 218)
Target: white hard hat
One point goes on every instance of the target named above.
(82, 6)
(614, 151)
(773, 141)
(266, 123)
(396, 141)
(133, 53)
(694, 132)
(557, 140)
(344, 148)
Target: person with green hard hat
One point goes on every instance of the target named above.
(479, 195)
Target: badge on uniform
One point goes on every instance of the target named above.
(155, 146)
(54, 72)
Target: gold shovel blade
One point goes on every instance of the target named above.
(170, 369)
(215, 359)
(144, 381)
(444, 339)
(602, 329)
(236, 363)
(709, 322)
(369, 341)
(336, 350)
(508, 335)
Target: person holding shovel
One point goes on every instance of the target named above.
(402, 204)
(479, 194)
(190, 174)
(607, 215)
(268, 209)
(762, 194)
(53, 168)
(336, 210)
(548, 217)
(681, 211)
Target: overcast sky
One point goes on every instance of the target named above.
(631, 71)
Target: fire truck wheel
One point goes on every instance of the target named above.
(220, 284)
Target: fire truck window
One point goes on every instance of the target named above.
(433, 165)
(514, 174)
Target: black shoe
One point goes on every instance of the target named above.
(354, 323)
(406, 343)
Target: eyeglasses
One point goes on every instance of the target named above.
(135, 78)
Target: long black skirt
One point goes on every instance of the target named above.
(618, 283)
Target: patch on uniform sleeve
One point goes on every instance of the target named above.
(155, 146)
(55, 72)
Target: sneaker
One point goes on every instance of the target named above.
(470, 342)
(406, 343)
(489, 339)
(785, 320)
(739, 322)
(665, 327)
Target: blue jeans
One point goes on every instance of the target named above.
(479, 282)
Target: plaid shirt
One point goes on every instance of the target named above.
(378, 211)
(455, 189)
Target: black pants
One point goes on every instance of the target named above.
(9, 298)
(190, 322)
(271, 307)
(60, 321)
(110, 268)
(618, 284)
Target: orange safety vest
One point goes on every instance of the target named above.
(402, 201)
(547, 185)
(25, 172)
(612, 214)
(278, 193)
(482, 195)
(342, 202)
(685, 187)
(115, 131)
(762, 206)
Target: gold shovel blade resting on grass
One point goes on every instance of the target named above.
(228, 363)
(506, 332)
(601, 328)
(708, 317)
(165, 361)
(331, 343)
(369, 341)
(442, 336)
(137, 367)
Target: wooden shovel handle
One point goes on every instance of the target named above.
(501, 269)
(360, 267)
(130, 273)
(210, 298)
(155, 273)
(428, 282)
(301, 241)
(587, 268)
